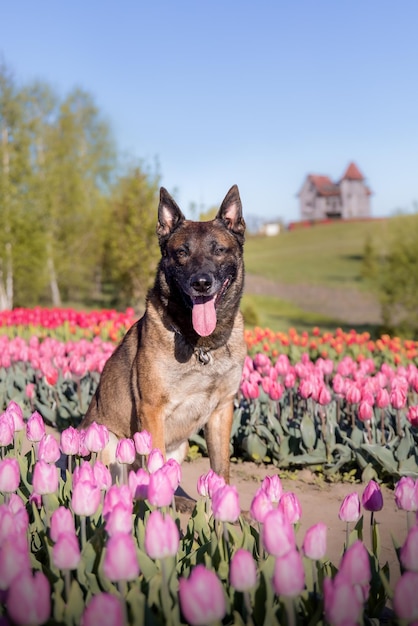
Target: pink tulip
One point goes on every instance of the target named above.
(82, 447)
(315, 542)
(412, 416)
(161, 536)
(70, 441)
(350, 508)
(83, 473)
(398, 397)
(102, 476)
(290, 505)
(406, 494)
(155, 460)
(85, 498)
(138, 484)
(214, 482)
(277, 533)
(119, 520)
(225, 504)
(202, 486)
(20, 515)
(9, 475)
(342, 604)
(29, 599)
(62, 521)
(243, 570)
(104, 609)
(409, 550)
(250, 390)
(353, 394)
(35, 427)
(160, 491)
(365, 411)
(173, 471)
(289, 574)
(355, 567)
(117, 494)
(6, 430)
(14, 559)
(323, 396)
(382, 398)
(125, 451)
(48, 449)
(121, 560)
(143, 442)
(15, 411)
(261, 505)
(7, 522)
(273, 487)
(45, 478)
(66, 551)
(372, 498)
(202, 598)
(96, 437)
(405, 599)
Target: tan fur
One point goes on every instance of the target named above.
(156, 379)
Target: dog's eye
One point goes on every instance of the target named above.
(219, 250)
(182, 253)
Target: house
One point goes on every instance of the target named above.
(270, 229)
(321, 198)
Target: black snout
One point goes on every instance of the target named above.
(201, 283)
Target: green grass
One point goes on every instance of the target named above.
(328, 254)
(280, 315)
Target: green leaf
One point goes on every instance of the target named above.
(75, 604)
(307, 429)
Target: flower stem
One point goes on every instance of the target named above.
(290, 611)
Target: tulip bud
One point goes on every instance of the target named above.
(62, 521)
(289, 574)
(342, 603)
(277, 533)
(9, 475)
(48, 449)
(161, 536)
(138, 484)
(29, 599)
(160, 491)
(214, 482)
(125, 451)
(409, 550)
(412, 416)
(290, 505)
(202, 597)
(405, 599)
(103, 608)
(70, 441)
(96, 437)
(273, 487)
(372, 499)
(85, 498)
(6, 431)
(35, 427)
(173, 471)
(365, 411)
(66, 551)
(119, 520)
(14, 559)
(406, 494)
(315, 542)
(261, 505)
(355, 567)
(350, 508)
(15, 411)
(120, 559)
(117, 494)
(243, 570)
(225, 504)
(102, 476)
(143, 442)
(155, 460)
(45, 478)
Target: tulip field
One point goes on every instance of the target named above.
(76, 548)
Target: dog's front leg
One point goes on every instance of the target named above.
(217, 435)
(151, 419)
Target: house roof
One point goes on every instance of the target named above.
(324, 185)
(352, 173)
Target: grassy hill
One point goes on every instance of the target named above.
(328, 254)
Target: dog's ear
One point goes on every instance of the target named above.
(169, 215)
(230, 213)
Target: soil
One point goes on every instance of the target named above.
(347, 305)
(320, 502)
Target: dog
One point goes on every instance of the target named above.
(178, 368)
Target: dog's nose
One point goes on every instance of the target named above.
(201, 283)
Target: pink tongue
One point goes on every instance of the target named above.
(204, 316)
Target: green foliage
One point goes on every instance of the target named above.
(131, 250)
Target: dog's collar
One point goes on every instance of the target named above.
(203, 355)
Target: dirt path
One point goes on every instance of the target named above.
(348, 305)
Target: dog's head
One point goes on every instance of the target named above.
(202, 259)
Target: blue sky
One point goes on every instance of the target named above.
(254, 93)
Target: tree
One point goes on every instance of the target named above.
(132, 248)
